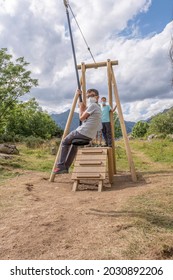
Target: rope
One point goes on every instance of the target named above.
(82, 34)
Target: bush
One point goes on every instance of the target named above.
(11, 138)
(33, 142)
(140, 129)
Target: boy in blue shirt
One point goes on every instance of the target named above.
(106, 125)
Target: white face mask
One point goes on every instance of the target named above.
(91, 100)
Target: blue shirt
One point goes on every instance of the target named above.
(105, 113)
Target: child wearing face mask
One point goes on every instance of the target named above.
(106, 125)
(90, 117)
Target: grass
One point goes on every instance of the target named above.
(38, 159)
(157, 150)
(146, 155)
(150, 216)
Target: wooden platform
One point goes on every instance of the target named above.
(93, 164)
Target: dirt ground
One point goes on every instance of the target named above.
(44, 220)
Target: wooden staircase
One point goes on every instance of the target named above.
(93, 164)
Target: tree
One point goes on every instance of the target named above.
(162, 123)
(140, 129)
(117, 127)
(15, 81)
(28, 119)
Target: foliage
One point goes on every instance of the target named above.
(117, 127)
(140, 129)
(15, 81)
(28, 119)
(162, 123)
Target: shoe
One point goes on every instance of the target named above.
(57, 170)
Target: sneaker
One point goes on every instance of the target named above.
(57, 170)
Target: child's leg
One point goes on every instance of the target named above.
(109, 134)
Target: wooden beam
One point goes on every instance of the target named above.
(66, 132)
(83, 83)
(123, 129)
(98, 64)
(109, 75)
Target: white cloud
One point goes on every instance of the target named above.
(8, 7)
(38, 30)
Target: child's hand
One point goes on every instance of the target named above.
(78, 92)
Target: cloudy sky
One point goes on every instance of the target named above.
(137, 33)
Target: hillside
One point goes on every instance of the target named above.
(61, 120)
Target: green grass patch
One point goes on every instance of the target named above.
(145, 154)
(160, 150)
(38, 159)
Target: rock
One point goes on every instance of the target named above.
(151, 136)
(8, 149)
(5, 156)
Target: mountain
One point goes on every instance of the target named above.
(61, 120)
(162, 112)
(129, 126)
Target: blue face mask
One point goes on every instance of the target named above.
(103, 103)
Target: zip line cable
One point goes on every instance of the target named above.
(82, 34)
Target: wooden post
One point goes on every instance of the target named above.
(123, 128)
(83, 83)
(110, 165)
(109, 74)
(66, 131)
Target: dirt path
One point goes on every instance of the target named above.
(43, 220)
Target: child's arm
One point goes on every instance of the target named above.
(113, 110)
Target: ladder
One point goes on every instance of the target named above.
(93, 164)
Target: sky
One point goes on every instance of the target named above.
(137, 33)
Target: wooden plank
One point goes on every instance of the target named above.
(89, 157)
(84, 175)
(77, 176)
(89, 169)
(98, 64)
(86, 152)
(89, 163)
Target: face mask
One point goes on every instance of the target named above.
(103, 103)
(91, 100)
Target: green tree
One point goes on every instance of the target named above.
(162, 123)
(117, 127)
(15, 81)
(140, 129)
(28, 119)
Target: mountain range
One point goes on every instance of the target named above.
(61, 120)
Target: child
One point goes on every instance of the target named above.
(106, 125)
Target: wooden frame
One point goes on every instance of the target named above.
(112, 88)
